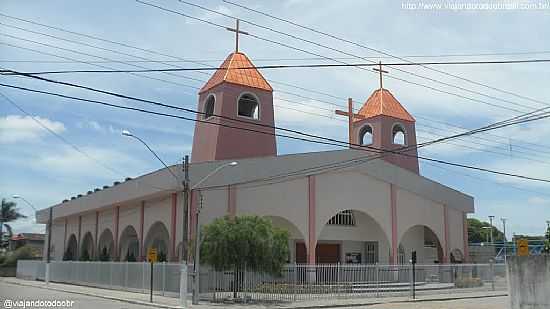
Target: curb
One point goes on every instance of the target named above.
(130, 301)
(138, 302)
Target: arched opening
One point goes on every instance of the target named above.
(425, 242)
(248, 106)
(296, 243)
(129, 245)
(71, 249)
(106, 246)
(365, 135)
(399, 135)
(87, 248)
(352, 237)
(209, 106)
(158, 238)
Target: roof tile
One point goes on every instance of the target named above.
(382, 102)
(229, 72)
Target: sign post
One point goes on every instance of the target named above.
(413, 262)
(151, 258)
(523, 247)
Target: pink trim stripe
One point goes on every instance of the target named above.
(393, 211)
(141, 220)
(446, 230)
(173, 226)
(312, 241)
(116, 219)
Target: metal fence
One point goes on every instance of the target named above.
(294, 283)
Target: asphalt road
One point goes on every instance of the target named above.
(17, 292)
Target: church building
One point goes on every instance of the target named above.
(353, 205)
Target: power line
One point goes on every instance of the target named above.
(379, 51)
(336, 50)
(327, 142)
(284, 66)
(332, 104)
(70, 144)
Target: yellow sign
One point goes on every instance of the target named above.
(523, 247)
(152, 255)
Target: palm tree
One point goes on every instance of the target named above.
(8, 213)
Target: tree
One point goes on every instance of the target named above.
(249, 242)
(8, 213)
(478, 234)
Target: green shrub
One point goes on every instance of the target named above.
(468, 282)
(23, 253)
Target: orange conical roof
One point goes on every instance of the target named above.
(229, 72)
(382, 102)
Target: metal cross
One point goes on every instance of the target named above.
(380, 71)
(237, 31)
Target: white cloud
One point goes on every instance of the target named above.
(15, 128)
(537, 200)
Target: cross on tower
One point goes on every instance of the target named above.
(379, 70)
(351, 117)
(237, 31)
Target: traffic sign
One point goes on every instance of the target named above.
(523, 247)
(152, 255)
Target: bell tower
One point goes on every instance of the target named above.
(383, 123)
(237, 120)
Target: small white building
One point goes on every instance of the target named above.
(339, 206)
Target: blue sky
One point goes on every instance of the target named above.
(39, 167)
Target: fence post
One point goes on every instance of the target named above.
(126, 276)
(163, 277)
(492, 273)
(295, 282)
(111, 274)
(377, 278)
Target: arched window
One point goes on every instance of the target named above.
(209, 106)
(399, 134)
(365, 135)
(249, 106)
(345, 218)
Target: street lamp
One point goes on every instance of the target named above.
(491, 223)
(15, 196)
(486, 234)
(196, 263)
(129, 134)
(505, 242)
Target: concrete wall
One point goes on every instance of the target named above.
(529, 282)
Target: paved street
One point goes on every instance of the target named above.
(485, 303)
(15, 289)
(17, 292)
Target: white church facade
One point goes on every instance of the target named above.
(339, 206)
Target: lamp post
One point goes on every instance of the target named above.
(15, 196)
(491, 223)
(183, 270)
(196, 264)
(505, 242)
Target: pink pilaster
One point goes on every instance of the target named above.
(231, 201)
(79, 243)
(65, 236)
(141, 220)
(446, 231)
(173, 227)
(465, 238)
(312, 241)
(96, 251)
(116, 221)
(393, 212)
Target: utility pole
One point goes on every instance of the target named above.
(50, 221)
(491, 230)
(185, 212)
(505, 242)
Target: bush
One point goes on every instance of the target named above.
(468, 282)
(23, 253)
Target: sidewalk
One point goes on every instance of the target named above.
(171, 302)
